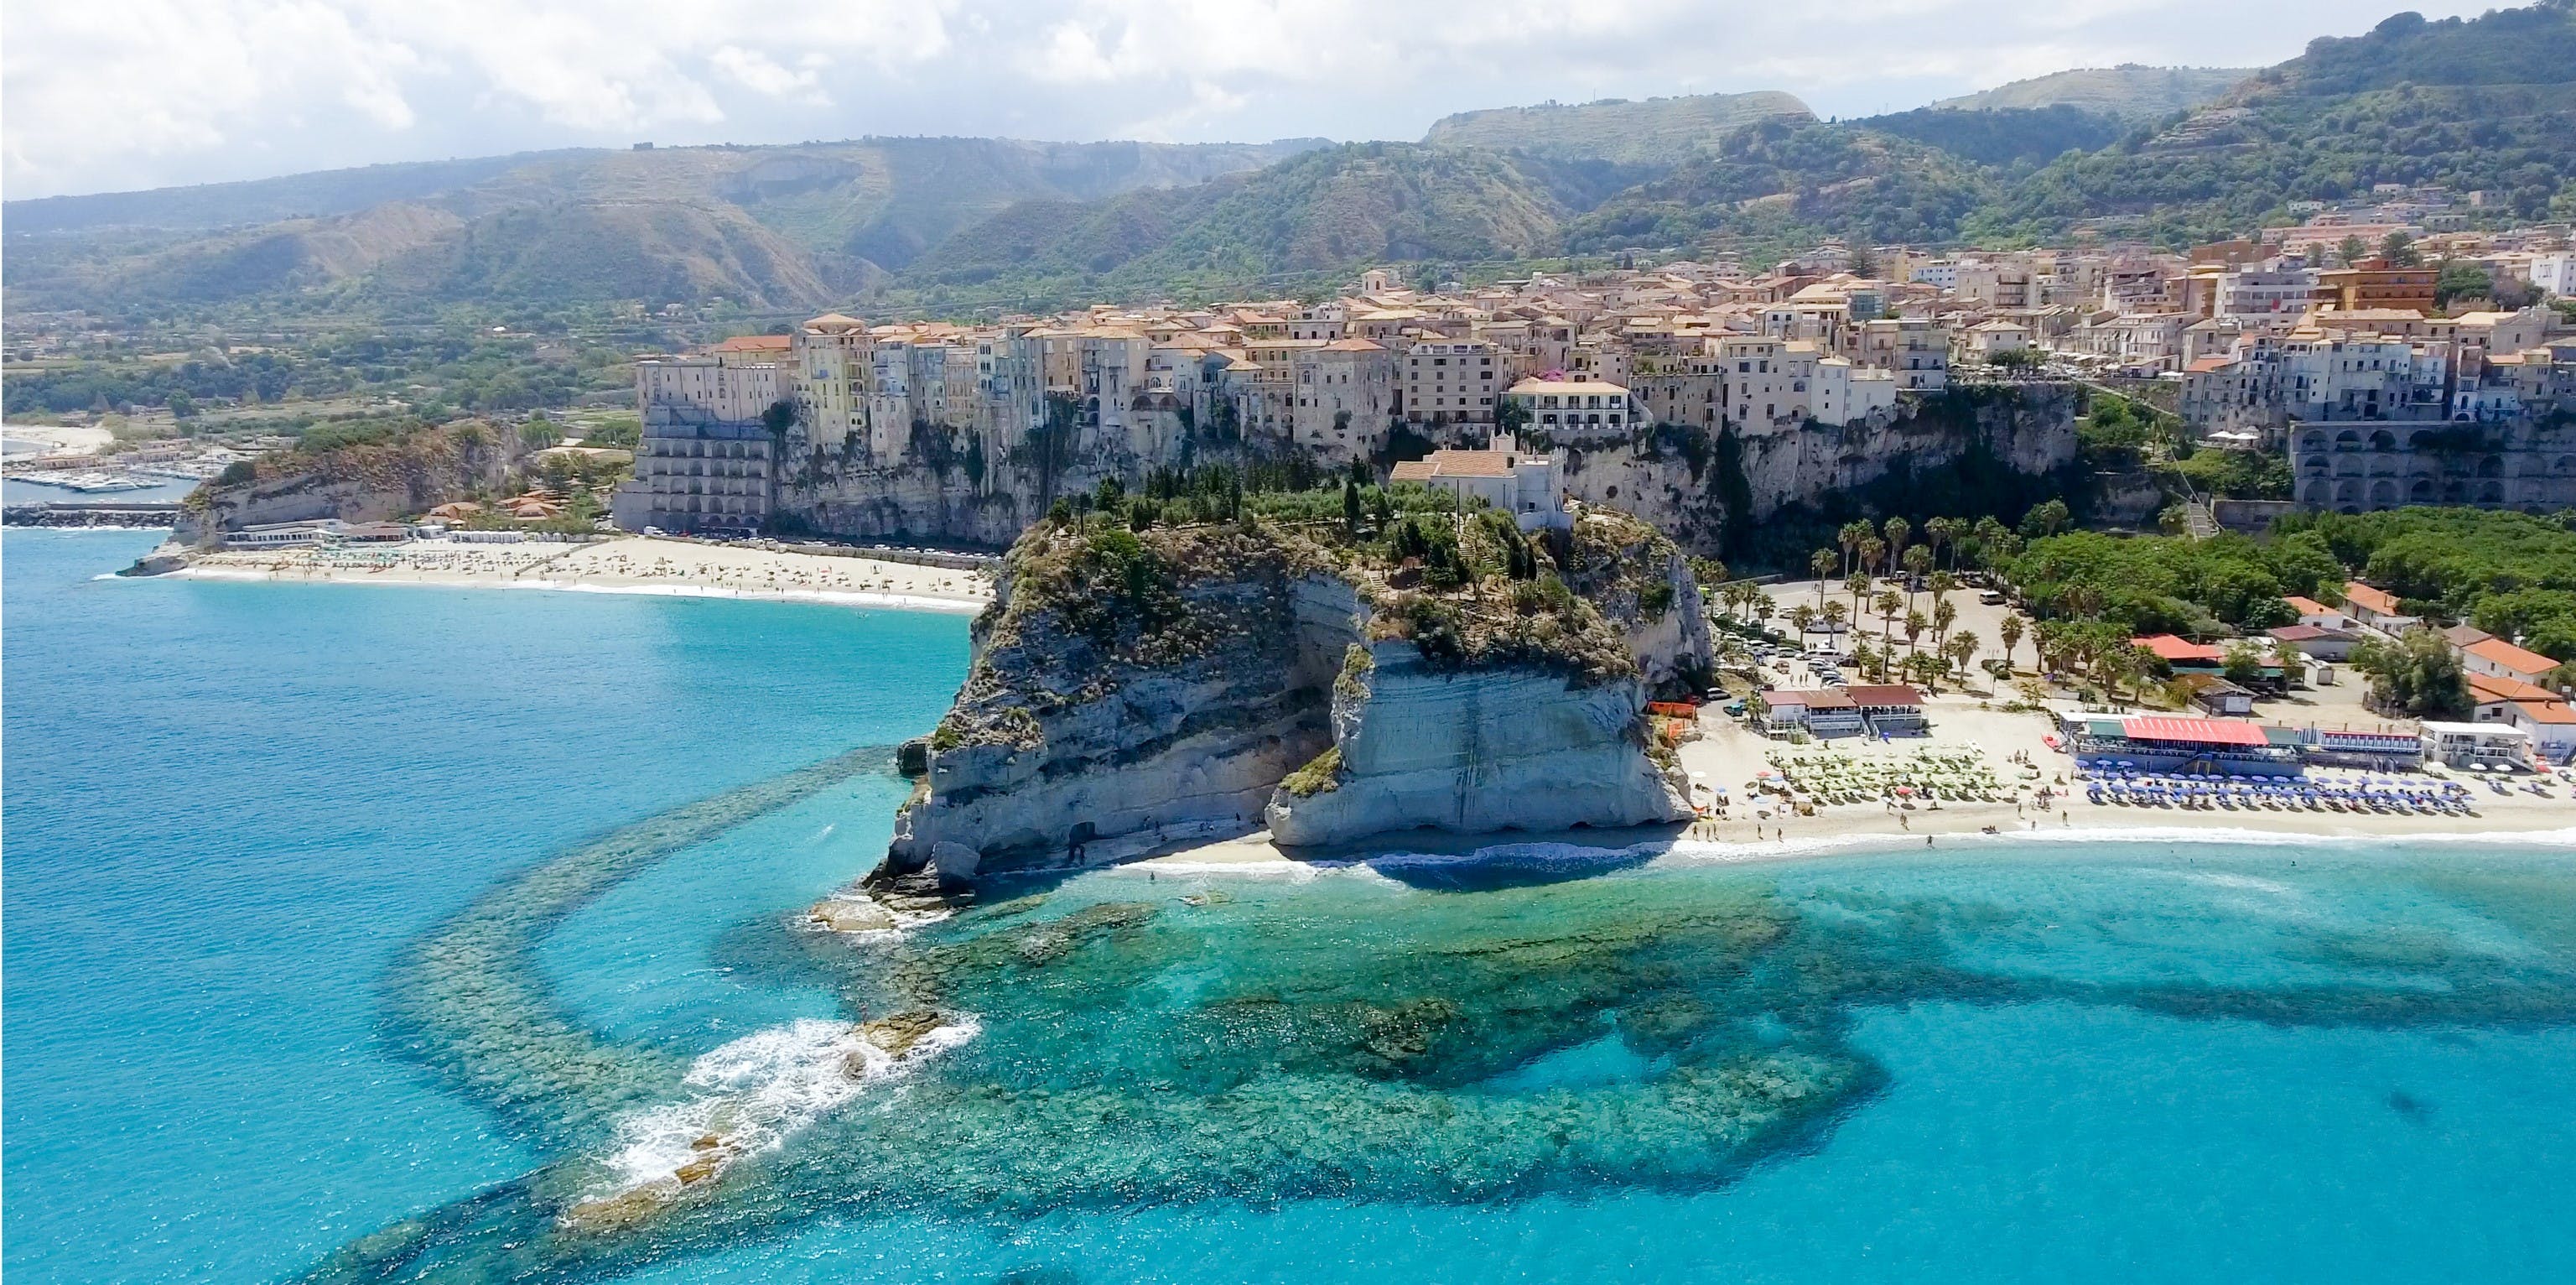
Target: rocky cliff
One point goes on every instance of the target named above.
(962, 485)
(367, 481)
(1132, 687)
(1700, 489)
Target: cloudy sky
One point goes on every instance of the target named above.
(108, 95)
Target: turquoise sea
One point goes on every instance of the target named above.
(355, 933)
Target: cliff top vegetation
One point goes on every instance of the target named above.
(1196, 566)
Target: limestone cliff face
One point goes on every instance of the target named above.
(363, 482)
(1678, 481)
(1642, 582)
(1129, 689)
(977, 486)
(1098, 708)
(1515, 748)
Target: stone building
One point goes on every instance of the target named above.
(2360, 467)
(699, 474)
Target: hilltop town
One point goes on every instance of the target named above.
(2339, 325)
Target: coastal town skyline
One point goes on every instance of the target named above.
(1676, 684)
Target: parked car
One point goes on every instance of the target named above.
(1991, 598)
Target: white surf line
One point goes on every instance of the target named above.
(827, 597)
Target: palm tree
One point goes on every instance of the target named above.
(1850, 537)
(1917, 560)
(1888, 605)
(1864, 657)
(1896, 530)
(1857, 585)
(1961, 648)
(1804, 617)
(1871, 548)
(1834, 615)
(1944, 615)
(1821, 562)
(2011, 629)
(1942, 583)
(1915, 624)
(1936, 533)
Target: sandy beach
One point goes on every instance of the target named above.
(633, 564)
(1727, 755)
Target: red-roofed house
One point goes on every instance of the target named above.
(2500, 659)
(2182, 653)
(1516, 482)
(2544, 714)
(2377, 608)
(2313, 612)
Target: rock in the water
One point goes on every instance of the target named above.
(896, 1035)
(851, 915)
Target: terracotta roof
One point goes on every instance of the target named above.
(2552, 711)
(2193, 731)
(2309, 606)
(754, 343)
(2174, 650)
(2496, 651)
(1882, 695)
(2378, 600)
(1448, 463)
(2208, 364)
(2488, 688)
(1820, 698)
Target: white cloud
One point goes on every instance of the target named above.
(103, 94)
(754, 71)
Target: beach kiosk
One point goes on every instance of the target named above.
(2476, 744)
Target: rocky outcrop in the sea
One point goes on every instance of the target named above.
(1132, 689)
(365, 481)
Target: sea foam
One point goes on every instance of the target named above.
(754, 1093)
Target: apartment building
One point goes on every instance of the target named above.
(1917, 349)
(1451, 381)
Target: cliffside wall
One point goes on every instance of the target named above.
(1698, 490)
(357, 482)
(1474, 751)
(965, 486)
(1128, 687)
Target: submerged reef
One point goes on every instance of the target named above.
(1108, 1043)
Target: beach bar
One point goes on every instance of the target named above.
(2190, 745)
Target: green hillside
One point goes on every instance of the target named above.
(2129, 91)
(771, 227)
(1654, 131)
(1320, 212)
(2484, 105)
(2003, 136)
(1781, 183)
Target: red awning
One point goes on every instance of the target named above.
(2195, 731)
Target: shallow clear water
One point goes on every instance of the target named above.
(326, 952)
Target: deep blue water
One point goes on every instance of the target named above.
(231, 807)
